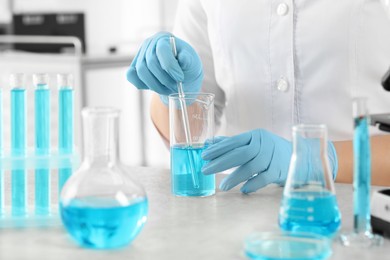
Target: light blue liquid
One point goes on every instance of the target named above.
(2, 209)
(42, 147)
(181, 173)
(104, 227)
(18, 148)
(65, 127)
(310, 211)
(362, 176)
(296, 248)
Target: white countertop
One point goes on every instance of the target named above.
(183, 228)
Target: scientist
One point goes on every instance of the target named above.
(271, 65)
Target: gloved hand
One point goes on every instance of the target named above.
(155, 66)
(262, 158)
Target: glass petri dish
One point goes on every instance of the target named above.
(287, 245)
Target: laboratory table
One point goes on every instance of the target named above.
(183, 228)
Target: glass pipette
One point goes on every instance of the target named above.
(186, 123)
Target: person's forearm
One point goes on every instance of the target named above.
(380, 160)
(160, 117)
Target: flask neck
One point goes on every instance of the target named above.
(310, 147)
(100, 136)
(310, 141)
(310, 163)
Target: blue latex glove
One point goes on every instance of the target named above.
(262, 158)
(156, 68)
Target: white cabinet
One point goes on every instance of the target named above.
(157, 154)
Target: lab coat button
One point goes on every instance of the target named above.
(282, 9)
(282, 85)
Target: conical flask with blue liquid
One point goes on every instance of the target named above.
(101, 205)
(309, 201)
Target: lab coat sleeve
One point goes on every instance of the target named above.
(191, 26)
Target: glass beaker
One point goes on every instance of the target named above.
(188, 141)
(101, 206)
(309, 202)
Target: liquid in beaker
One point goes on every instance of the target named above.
(182, 181)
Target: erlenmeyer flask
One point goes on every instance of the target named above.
(101, 206)
(309, 201)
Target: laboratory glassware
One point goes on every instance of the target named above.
(386, 78)
(184, 115)
(309, 202)
(286, 245)
(101, 206)
(65, 123)
(186, 159)
(2, 193)
(18, 143)
(42, 143)
(362, 235)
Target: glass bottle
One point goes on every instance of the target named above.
(101, 206)
(309, 201)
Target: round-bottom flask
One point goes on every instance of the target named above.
(101, 206)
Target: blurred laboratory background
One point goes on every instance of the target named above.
(107, 35)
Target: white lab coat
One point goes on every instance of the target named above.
(276, 63)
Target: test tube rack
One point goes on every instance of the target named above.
(31, 162)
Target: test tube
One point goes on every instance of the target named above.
(42, 143)
(65, 123)
(18, 144)
(2, 206)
